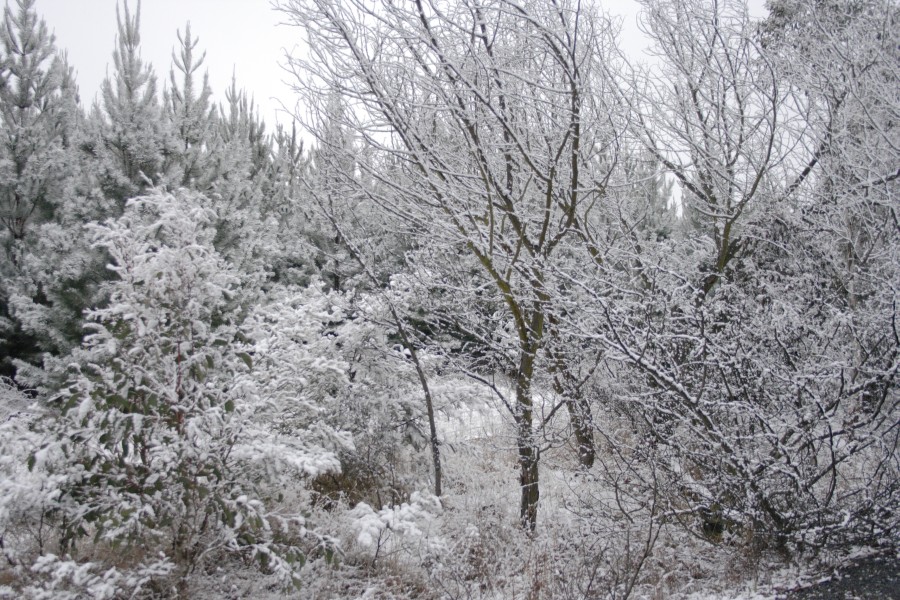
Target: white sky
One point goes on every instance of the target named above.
(240, 36)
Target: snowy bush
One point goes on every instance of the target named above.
(381, 532)
(166, 432)
(70, 580)
(26, 496)
(378, 399)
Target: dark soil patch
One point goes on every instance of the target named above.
(873, 578)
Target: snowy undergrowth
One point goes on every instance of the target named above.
(589, 544)
(469, 543)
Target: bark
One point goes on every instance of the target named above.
(429, 406)
(528, 479)
(565, 385)
(529, 453)
(580, 417)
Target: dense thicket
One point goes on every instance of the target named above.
(528, 318)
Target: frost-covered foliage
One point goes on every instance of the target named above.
(34, 110)
(165, 434)
(45, 267)
(25, 496)
(377, 530)
(634, 324)
(300, 373)
(379, 401)
(71, 580)
(130, 138)
(191, 113)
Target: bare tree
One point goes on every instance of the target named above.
(485, 131)
(760, 343)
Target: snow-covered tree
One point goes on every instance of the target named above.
(484, 126)
(46, 265)
(174, 419)
(244, 133)
(36, 123)
(191, 112)
(764, 386)
(131, 139)
(240, 164)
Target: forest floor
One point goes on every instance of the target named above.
(863, 577)
(876, 577)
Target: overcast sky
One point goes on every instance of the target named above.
(240, 36)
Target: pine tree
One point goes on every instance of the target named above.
(241, 180)
(192, 114)
(334, 164)
(40, 294)
(34, 123)
(241, 130)
(134, 145)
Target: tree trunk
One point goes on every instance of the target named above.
(580, 417)
(528, 479)
(529, 453)
(429, 406)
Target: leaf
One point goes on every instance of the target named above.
(198, 373)
(246, 358)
